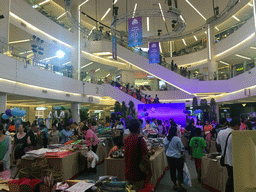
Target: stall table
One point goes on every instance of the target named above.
(115, 167)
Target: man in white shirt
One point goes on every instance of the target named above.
(221, 140)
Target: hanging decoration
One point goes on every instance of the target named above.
(135, 31)
(154, 54)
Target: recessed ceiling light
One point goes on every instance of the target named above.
(184, 42)
(235, 18)
(147, 23)
(217, 28)
(91, 31)
(44, 2)
(105, 14)
(250, 4)
(134, 11)
(195, 38)
(97, 70)
(161, 11)
(224, 63)
(86, 65)
(241, 56)
(61, 15)
(196, 10)
(253, 47)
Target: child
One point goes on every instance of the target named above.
(197, 145)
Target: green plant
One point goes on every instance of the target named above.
(84, 114)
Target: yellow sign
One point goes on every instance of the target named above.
(240, 69)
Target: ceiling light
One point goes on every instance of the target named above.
(20, 41)
(244, 104)
(253, 47)
(61, 15)
(34, 6)
(49, 58)
(160, 47)
(22, 53)
(147, 23)
(105, 14)
(161, 11)
(97, 70)
(103, 53)
(182, 18)
(66, 63)
(243, 57)
(217, 28)
(60, 54)
(115, 1)
(108, 75)
(195, 38)
(134, 11)
(205, 32)
(44, 2)
(184, 42)
(196, 10)
(86, 65)
(235, 18)
(91, 31)
(250, 4)
(224, 63)
(83, 3)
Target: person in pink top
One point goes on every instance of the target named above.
(243, 125)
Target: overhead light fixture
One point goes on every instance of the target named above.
(60, 54)
(97, 70)
(66, 63)
(115, 2)
(184, 42)
(253, 47)
(35, 6)
(20, 41)
(160, 47)
(205, 32)
(224, 63)
(108, 75)
(83, 3)
(86, 65)
(241, 56)
(44, 2)
(91, 31)
(61, 15)
(217, 28)
(103, 53)
(235, 18)
(196, 10)
(250, 4)
(49, 58)
(195, 38)
(134, 11)
(147, 23)
(182, 18)
(244, 104)
(105, 14)
(22, 53)
(161, 11)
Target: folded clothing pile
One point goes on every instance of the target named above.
(24, 184)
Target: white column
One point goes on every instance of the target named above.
(212, 64)
(5, 6)
(254, 13)
(3, 102)
(75, 110)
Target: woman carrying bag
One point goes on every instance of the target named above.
(174, 150)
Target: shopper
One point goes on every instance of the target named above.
(223, 136)
(174, 150)
(197, 145)
(66, 134)
(44, 135)
(190, 132)
(54, 135)
(207, 128)
(5, 149)
(32, 135)
(134, 153)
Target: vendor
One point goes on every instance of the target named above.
(54, 135)
(66, 134)
(119, 146)
(5, 149)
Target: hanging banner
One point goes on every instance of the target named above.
(114, 47)
(135, 31)
(154, 54)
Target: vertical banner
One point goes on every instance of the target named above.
(135, 31)
(154, 54)
(114, 47)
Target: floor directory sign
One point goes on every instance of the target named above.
(135, 31)
(154, 54)
(114, 47)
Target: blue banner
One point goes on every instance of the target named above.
(135, 31)
(154, 54)
(114, 47)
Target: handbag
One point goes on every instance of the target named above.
(222, 159)
(144, 163)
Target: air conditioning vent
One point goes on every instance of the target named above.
(44, 91)
(67, 95)
(23, 24)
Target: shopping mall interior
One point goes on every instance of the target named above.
(76, 56)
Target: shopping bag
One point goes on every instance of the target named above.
(93, 158)
(186, 176)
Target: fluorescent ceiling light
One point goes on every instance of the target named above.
(105, 14)
(134, 11)
(61, 15)
(196, 10)
(86, 65)
(217, 28)
(253, 47)
(224, 63)
(66, 63)
(205, 32)
(44, 2)
(34, 6)
(182, 18)
(243, 57)
(83, 3)
(147, 23)
(22, 53)
(115, 1)
(235, 18)
(20, 41)
(195, 38)
(103, 53)
(161, 11)
(108, 75)
(97, 70)
(250, 4)
(184, 42)
(49, 58)
(91, 31)
(160, 47)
